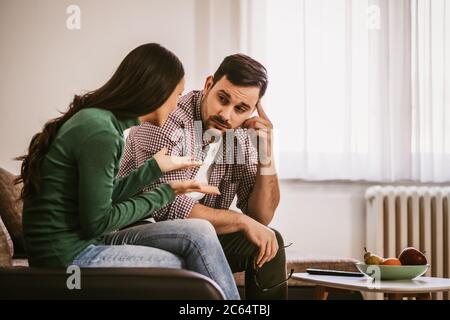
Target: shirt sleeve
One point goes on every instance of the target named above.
(245, 187)
(247, 175)
(181, 208)
(128, 160)
(98, 159)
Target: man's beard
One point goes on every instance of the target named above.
(217, 122)
(214, 121)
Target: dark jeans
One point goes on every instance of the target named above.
(241, 253)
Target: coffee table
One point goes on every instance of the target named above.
(420, 288)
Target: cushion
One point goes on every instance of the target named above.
(5, 246)
(11, 209)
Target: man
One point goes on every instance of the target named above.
(215, 125)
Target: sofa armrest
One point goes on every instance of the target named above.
(107, 283)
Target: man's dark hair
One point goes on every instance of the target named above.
(241, 70)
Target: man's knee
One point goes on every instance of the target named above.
(279, 238)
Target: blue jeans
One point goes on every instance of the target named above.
(188, 243)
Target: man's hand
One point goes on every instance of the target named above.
(261, 123)
(263, 128)
(263, 237)
(228, 221)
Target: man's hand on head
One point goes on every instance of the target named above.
(262, 127)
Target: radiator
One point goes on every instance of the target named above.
(399, 217)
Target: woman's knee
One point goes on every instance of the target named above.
(200, 230)
(200, 225)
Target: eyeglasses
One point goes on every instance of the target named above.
(256, 276)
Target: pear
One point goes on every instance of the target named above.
(367, 254)
(370, 258)
(374, 259)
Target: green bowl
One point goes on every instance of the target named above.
(392, 272)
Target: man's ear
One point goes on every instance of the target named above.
(208, 83)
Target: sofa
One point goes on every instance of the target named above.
(19, 281)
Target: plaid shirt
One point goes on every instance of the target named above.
(233, 171)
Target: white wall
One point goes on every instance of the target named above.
(43, 63)
(322, 218)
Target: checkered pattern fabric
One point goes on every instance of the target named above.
(233, 172)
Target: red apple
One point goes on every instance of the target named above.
(412, 256)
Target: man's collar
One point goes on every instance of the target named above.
(198, 107)
(198, 117)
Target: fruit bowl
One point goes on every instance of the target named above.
(392, 272)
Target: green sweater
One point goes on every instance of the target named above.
(80, 199)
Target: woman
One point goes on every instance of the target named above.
(73, 205)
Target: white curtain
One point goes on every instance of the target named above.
(340, 92)
(431, 87)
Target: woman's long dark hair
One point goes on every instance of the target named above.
(142, 83)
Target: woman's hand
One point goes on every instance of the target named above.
(168, 163)
(182, 187)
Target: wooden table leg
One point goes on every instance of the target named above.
(395, 296)
(320, 293)
(423, 296)
(418, 296)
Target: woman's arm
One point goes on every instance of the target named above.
(136, 181)
(97, 161)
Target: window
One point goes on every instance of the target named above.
(353, 93)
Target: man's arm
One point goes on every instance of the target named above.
(224, 221)
(228, 221)
(265, 195)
